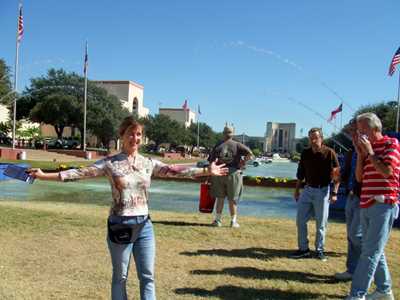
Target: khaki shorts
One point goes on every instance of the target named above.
(229, 186)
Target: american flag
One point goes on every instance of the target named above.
(184, 105)
(20, 25)
(338, 110)
(200, 111)
(395, 61)
(86, 60)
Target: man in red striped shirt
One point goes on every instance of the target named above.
(378, 168)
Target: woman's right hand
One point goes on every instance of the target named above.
(35, 173)
(39, 174)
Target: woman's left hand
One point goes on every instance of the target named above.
(217, 170)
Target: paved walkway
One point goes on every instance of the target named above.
(42, 155)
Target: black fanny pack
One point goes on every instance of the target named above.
(124, 233)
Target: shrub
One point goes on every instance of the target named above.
(256, 152)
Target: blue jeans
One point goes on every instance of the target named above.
(317, 199)
(354, 232)
(143, 250)
(376, 222)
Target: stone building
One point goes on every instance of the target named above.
(281, 137)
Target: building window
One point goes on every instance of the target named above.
(134, 105)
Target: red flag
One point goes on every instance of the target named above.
(338, 110)
(395, 61)
(200, 111)
(86, 60)
(20, 25)
(184, 105)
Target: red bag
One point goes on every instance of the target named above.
(206, 202)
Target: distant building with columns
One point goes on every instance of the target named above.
(281, 137)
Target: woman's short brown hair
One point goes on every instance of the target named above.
(130, 123)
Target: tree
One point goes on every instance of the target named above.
(58, 110)
(387, 112)
(161, 128)
(340, 141)
(58, 100)
(31, 132)
(54, 100)
(6, 95)
(104, 114)
(207, 137)
(302, 144)
(254, 144)
(7, 127)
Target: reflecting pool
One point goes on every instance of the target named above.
(275, 169)
(168, 195)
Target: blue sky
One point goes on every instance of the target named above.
(244, 62)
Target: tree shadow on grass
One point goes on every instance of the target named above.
(229, 292)
(258, 253)
(250, 273)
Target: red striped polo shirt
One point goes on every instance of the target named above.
(388, 150)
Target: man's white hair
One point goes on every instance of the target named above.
(372, 120)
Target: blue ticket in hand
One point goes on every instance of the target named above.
(18, 173)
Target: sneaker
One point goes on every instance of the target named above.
(354, 298)
(216, 223)
(320, 255)
(345, 276)
(379, 295)
(300, 253)
(234, 224)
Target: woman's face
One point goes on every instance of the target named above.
(132, 138)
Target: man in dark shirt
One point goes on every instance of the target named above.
(228, 152)
(315, 166)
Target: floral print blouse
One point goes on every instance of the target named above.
(129, 182)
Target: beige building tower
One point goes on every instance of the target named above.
(281, 137)
(184, 117)
(130, 94)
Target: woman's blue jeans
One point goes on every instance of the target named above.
(143, 250)
(376, 222)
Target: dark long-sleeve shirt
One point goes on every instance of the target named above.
(316, 168)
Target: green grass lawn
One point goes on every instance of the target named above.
(57, 250)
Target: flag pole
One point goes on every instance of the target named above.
(335, 126)
(16, 75)
(186, 118)
(341, 117)
(85, 99)
(398, 104)
(198, 129)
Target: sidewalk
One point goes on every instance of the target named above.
(42, 155)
